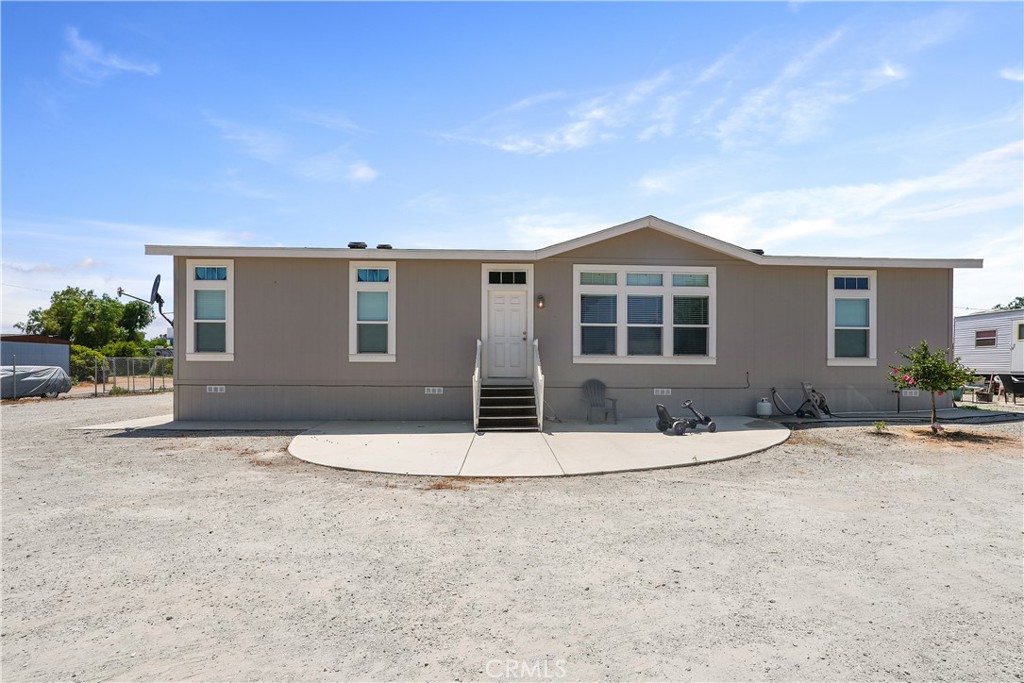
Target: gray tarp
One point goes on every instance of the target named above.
(33, 380)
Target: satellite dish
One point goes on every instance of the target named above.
(154, 294)
(154, 297)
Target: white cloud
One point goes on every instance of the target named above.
(590, 121)
(780, 109)
(83, 264)
(534, 231)
(88, 62)
(361, 172)
(985, 182)
(1012, 75)
(883, 75)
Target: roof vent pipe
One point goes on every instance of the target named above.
(383, 246)
(357, 245)
(759, 252)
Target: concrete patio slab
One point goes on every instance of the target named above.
(497, 454)
(453, 449)
(424, 448)
(636, 445)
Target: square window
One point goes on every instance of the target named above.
(851, 343)
(211, 304)
(852, 313)
(690, 341)
(371, 338)
(689, 310)
(643, 310)
(644, 341)
(211, 337)
(371, 306)
(597, 341)
(598, 308)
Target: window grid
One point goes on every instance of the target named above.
(372, 335)
(646, 327)
(853, 326)
(209, 313)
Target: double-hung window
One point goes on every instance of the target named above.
(853, 325)
(209, 334)
(984, 338)
(631, 314)
(371, 311)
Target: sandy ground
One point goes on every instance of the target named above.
(840, 555)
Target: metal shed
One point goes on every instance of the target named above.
(35, 349)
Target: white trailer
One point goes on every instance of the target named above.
(991, 342)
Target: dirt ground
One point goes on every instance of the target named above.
(839, 555)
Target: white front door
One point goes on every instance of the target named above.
(506, 334)
(1017, 347)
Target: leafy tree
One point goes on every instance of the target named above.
(135, 317)
(85, 319)
(58, 319)
(97, 322)
(931, 371)
(1013, 305)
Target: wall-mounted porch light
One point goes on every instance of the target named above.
(540, 301)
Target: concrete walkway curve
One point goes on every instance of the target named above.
(453, 449)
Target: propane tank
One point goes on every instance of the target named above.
(764, 408)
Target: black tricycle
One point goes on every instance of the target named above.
(679, 425)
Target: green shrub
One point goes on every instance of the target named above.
(84, 362)
(124, 349)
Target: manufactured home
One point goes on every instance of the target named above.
(657, 312)
(991, 342)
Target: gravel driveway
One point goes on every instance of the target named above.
(840, 555)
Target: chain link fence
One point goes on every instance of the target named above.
(133, 375)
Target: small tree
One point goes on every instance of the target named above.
(931, 371)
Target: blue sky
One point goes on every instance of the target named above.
(860, 129)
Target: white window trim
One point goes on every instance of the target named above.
(871, 294)
(622, 290)
(353, 288)
(191, 285)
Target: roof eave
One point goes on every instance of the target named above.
(869, 262)
(340, 253)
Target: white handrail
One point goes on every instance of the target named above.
(538, 384)
(476, 386)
